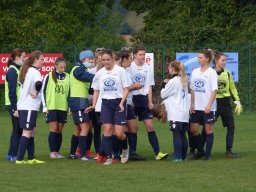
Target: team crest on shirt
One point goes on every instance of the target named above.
(199, 85)
(221, 86)
(139, 78)
(109, 84)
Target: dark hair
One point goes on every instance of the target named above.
(15, 53)
(124, 54)
(116, 56)
(28, 63)
(108, 52)
(58, 60)
(138, 48)
(208, 53)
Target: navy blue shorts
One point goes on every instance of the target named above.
(141, 107)
(56, 115)
(27, 119)
(176, 125)
(202, 117)
(110, 112)
(130, 113)
(80, 116)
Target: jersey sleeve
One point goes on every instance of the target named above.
(168, 89)
(95, 82)
(125, 79)
(232, 88)
(214, 81)
(45, 82)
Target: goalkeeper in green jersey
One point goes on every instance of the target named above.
(226, 90)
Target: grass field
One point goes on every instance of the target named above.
(219, 174)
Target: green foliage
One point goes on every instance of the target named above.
(48, 22)
(196, 22)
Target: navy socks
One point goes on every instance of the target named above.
(74, 144)
(22, 147)
(154, 142)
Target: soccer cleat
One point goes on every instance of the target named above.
(125, 155)
(135, 157)
(14, 158)
(89, 154)
(230, 154)
(59, 156)
(96, 156)
(78, 152)
(35, 161)
(8, 157)
(72, 156)
(116, 160)
(86, 158)
(161, 156)
(53, 155)
(109, 161)
(177, 160)
(207, 158)
(101, 159)
(21, 162)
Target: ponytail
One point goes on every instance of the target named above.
(179, 67)
(54, 76)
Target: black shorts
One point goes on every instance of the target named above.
(80, 116)
(56, 115)
(27, 119)
(224, 110)
(202, 117)
(130, 113)
(181, 126)
(110, 112)
(141, 107)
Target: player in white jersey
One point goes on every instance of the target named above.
(204, 88)
(112, 82)
(28, 105)
(132, 125)
(142, 98)
(175, 95)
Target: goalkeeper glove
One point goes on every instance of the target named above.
(238, 107)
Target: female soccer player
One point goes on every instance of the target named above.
(80, 80)
(142, 98)
(226, 89)
(204, 88)
(175, 95)
(112, 83)
(28, 105)
(55, 105)
(12, 90)
(126, 60)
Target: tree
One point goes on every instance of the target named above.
(49, 22)
(194, 22)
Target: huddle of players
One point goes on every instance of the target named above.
(109, 90)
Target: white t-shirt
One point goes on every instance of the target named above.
(129, 97)
(203, 84)
(111, 84)
(176, 100)
(142, 74)
(26, 102)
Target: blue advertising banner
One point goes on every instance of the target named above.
(191, 62)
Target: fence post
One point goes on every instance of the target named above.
(250, 78)
(163, 62)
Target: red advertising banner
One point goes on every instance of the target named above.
(48, 64)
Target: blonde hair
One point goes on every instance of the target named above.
(179, 67)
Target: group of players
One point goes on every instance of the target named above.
(110, 90)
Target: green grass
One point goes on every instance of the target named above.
(219, 174)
